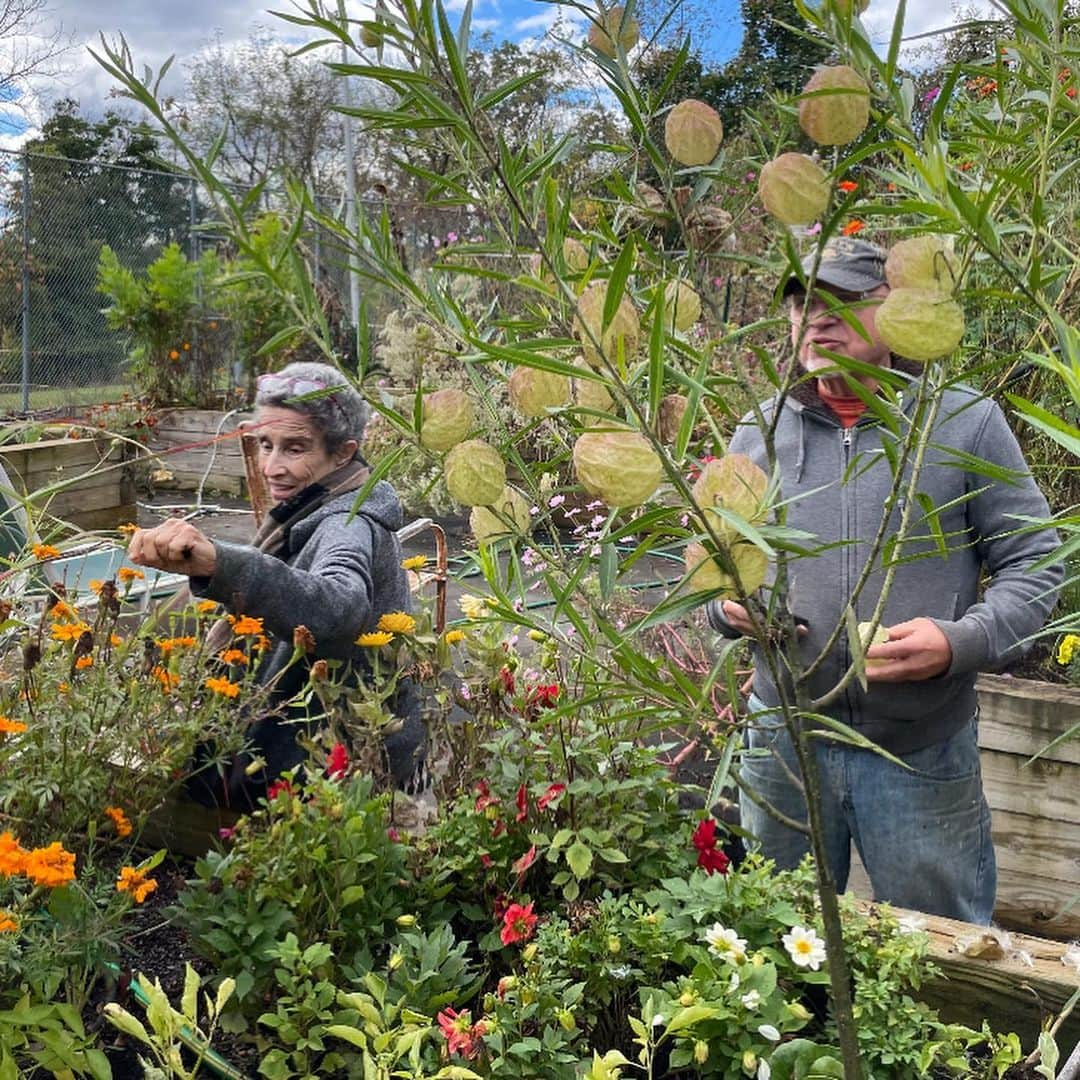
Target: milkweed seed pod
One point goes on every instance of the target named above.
(613, 26)
(533, 391)
(706, 573)
(623, 332)
(475, 473)
(619, 467)
(923, 262)
(588, 393)
(733, 483)
(693, 132)
(447, 416)
(709, 228)
(672, 410)
(507, 516)
(839, 116)
(682, 305)
(920, 324)
(880, 636)
(794, 189)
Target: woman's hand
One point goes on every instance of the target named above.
(176, 546)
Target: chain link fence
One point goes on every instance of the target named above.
(57, 213)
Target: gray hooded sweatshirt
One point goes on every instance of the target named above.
(836, 482)
(336, 574)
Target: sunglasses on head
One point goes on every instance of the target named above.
(273, 383)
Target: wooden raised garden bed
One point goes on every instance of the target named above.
(188, 441)
(102, 498)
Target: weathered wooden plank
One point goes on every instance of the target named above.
(1021, 716)
(1044, 788)
(1049, 848)
(1037, 904)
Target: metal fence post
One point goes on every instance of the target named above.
(26, 283)
(193, 216)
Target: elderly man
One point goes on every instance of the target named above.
(922, 832)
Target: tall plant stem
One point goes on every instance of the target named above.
(839, 969)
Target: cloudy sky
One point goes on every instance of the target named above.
(156, 29)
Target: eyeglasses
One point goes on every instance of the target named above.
(830, 300)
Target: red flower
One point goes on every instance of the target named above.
(545, 697)
(710, 858)
(507, 677)
(847, 186)
(484, 798)
(338, 762)
(852, 227)
(278, 787)
(393, 835)
(519, 922)
(522, 804)
(485, 860)
(549, 796)
(521, 865)
(462, 1035)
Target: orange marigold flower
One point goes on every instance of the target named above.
(62, 610)
(167, 679)
(135, 881)
(187, 346)
(852, 227)
(68, 631)
(260, 644)
(375, 639)
(964, 166)
(50, 866)
(126, 575)
(168, 645)
(847, 186)
(8, 925)
(115, 640)
(62, 688)
(205, 607)
(128, 528)
(223, 687)
(890, 186)
(396, 622)
(119, 819)
(233, 656)
(246, 625)
(45, 551)
(11, 727)
(303, 639)
(83, 663)
(174, 355)
(12, 856)
(96, 585)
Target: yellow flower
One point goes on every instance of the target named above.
(133, 880)
(11, 727)
(246, 625)
(68, 631)
(452, 637)
(45, 551)
(223, 687)
(62, 688)
(119, 819)
(206, 607)
(414, 562)
(397, 622)
(233, 656)
(50, 866)
(126, 575)
(8, 925)
(473, 607)
(1067, 648)
(83, 663)
(375, 639)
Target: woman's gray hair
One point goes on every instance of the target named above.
(340, 416)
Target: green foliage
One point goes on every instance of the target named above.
(315, 862)
(52, 1037)
(173, 358)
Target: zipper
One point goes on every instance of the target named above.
(847, 439)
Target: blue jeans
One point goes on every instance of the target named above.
(923, 835)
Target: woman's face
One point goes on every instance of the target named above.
(292, 451)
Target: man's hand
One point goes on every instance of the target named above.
(176, 546)
(916, 650)
(739, 619)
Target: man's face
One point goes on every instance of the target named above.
(827, 328)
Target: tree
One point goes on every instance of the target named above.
(27, 46)
(91, 183)
(276, 110)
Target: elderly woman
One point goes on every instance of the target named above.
(317, 561)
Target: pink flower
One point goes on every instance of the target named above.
(338, 762)
(451, 237)
(519, 923)
(462, 1035)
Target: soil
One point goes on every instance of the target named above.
(158, 949)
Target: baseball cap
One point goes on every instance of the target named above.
(846, 263)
